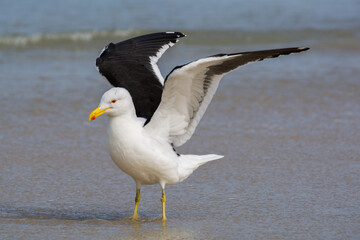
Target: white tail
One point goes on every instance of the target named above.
(189, 163)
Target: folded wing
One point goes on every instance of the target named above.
(189, 89)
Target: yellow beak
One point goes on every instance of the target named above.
(96, 113)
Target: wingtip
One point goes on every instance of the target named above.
(303, 48)
(178, 34)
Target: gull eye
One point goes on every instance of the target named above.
(113, 101)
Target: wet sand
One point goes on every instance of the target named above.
(289, 129)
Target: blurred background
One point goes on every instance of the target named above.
(289, 127)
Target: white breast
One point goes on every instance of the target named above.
(146, 159)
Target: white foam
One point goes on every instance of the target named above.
(39, 38)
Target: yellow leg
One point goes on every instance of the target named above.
(163, 201)
(137, 201)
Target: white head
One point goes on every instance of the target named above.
(114, 102)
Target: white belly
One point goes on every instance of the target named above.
(147, 159)
(146, 165)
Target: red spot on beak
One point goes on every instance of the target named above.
(93, 118)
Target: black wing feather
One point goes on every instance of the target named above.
(127, 64)
(243, 58)
(197, 82)
(247, 57)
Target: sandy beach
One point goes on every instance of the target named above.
(289, 129)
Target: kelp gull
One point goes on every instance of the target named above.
(149, 116)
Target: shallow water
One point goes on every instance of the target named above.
(290, 137)
(289, 129)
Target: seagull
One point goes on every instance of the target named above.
(149, 116)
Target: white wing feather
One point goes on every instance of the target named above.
(189, 89)
(187, 93)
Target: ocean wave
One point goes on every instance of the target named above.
(59, 39)
(338, 38)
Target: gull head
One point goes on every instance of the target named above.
(115, 102)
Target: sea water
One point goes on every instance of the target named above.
(289, 127)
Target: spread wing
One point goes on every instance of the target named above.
(189, 89)
(131, 64)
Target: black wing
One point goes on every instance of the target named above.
(247, 57)
(131, 64)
